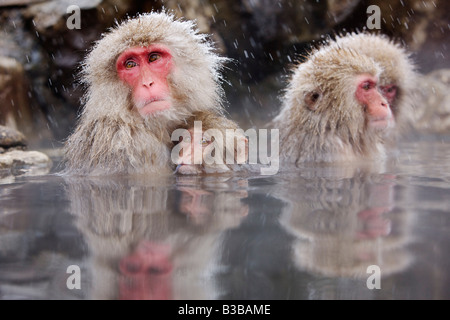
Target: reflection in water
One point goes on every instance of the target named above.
(309, 233)
(343, 226)
(315, 237)
(150, 242)
(38, 241)
(256, 262)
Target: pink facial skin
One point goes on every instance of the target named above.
(373, 223)
(390, 93)
(145, 71)
(146, 273)
(376, 106)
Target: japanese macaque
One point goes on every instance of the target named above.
(144, 78)
(333, 110)
(204, 144)
(397, 80)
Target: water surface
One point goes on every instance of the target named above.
(307, 233)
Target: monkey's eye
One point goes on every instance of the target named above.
(130, 64)
(367, 85)
(205, 142)
(153, 57)
(391, 89)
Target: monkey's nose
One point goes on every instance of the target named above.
(146, 79)
(148, 83)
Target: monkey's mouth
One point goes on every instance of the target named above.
(145, 103)
(382, 123)
(153, 105)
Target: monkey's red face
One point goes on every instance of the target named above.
(145, 71)
(390, 92)
(379, 114)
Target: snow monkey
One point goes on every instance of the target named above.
(333, 110)
(207, 142)
(144, 78)
(397, 79)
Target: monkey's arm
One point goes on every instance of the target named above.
(109, 146)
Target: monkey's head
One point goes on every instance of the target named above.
(335, 93)
(154, 67)
(398, 75)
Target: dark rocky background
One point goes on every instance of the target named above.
(40, 56)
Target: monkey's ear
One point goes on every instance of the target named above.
(311, 99)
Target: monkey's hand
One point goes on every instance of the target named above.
(220, 143)
(218, 155)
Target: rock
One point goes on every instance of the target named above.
(200, 11)
(23, 157)
(15, 110)
(14, 161)
(6, 177)
(6, 161)
(25, 160)
(55, 89)
(10, 138)
(339, 10)
(6, 3)
(420, 24)
(51, 13)
(22, 44)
